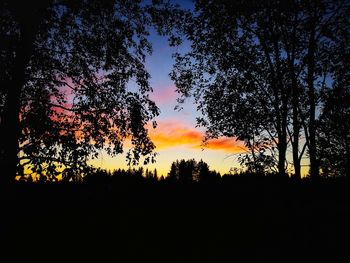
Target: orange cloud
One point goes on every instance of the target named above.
(169, 134)
(225, 144)
(175, 138)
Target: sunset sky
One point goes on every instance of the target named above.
(176, 136)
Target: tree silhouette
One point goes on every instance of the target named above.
(334, 132)
(73, 82)
(191, 170)
(261, 159)
(333, 138)
(155, 174)
(173, 174)
(231, 60)
(256, 68)
(203, 172)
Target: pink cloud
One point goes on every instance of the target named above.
(164, 95)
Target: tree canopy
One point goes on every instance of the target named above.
(73, 83)
(256, 69)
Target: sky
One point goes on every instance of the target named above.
(176, 136)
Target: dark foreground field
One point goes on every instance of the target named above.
(229, 220)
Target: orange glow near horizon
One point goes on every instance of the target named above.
(174, 140)
(169, 134)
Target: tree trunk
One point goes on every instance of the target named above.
(296, 129)
(282, 147)
(295, 102)
(10, 129)
(282, 142)
(314, 171)
(283, 138)
(28, 24)
(295, 144)
(347, 161)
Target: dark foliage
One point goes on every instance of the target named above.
(256, 69)
(73, 83)
(334, 133)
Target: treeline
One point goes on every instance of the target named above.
(180, 171)
(187, 184)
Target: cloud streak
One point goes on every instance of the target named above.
(174, 133)
(225, 144)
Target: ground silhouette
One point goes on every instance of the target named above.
(124, 217)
